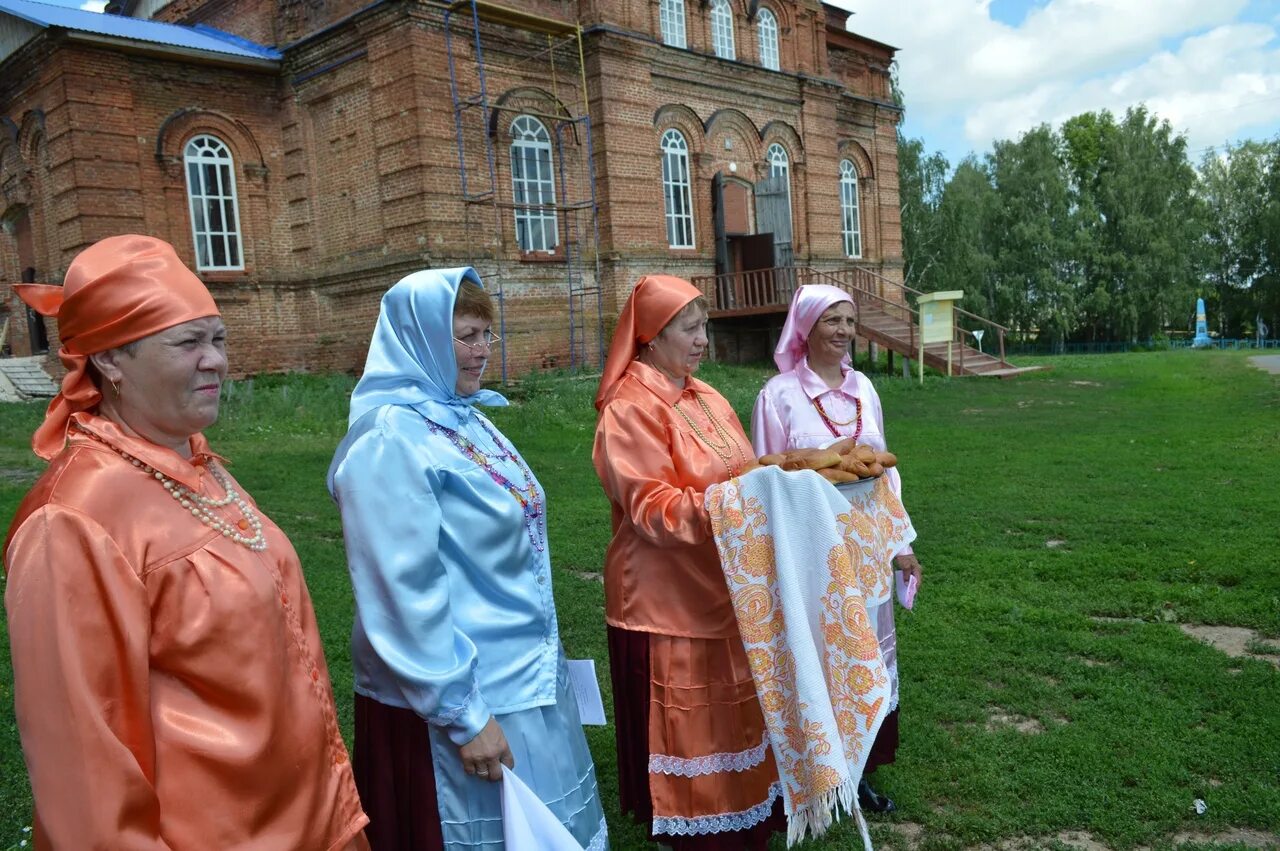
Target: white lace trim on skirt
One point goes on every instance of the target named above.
(720, 823)
(715, 763)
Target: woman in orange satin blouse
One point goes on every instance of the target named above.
(169, 680)
(694, 761)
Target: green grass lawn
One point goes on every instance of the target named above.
(1070, 521)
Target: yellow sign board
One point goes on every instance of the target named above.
(937, 321)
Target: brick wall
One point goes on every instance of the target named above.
(347, 160)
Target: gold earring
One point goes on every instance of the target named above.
(115, 388)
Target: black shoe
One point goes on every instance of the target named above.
(872, 801)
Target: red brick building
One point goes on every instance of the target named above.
(304, 156)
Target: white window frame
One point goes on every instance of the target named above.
(850, 217)
(533, 184)
(780, 166)
(677, 190)
(722, 29)
(212, 204)
(767, 28)
(671, 21)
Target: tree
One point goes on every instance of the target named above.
(1266, 287)
(1140, 219)
(1233, 190)
(921, 179)
(1030, 235)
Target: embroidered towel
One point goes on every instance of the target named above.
(527, 824)
(801, 562)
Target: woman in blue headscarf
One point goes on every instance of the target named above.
(456, 650)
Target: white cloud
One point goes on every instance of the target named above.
(1188, 60)
(1212, 87)
(94, 5)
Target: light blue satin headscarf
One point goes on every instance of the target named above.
(411, 360)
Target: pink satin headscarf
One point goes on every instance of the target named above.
(653, 302)
(807, 305)
(117, 290)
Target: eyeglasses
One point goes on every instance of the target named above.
(490, 340)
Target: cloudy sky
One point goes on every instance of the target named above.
(978, 70)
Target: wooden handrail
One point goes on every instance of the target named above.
(758, 288)
(772, 289)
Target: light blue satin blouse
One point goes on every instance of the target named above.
(454, 614)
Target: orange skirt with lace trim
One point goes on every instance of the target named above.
(693, 758)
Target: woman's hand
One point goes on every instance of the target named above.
(485, 755)
(909, 566)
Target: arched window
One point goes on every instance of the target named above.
(533, 185)
(767, 27)
(671, 18)
(850, 224)
(722, 29)
(215, 213)
(676, 190)
(780, 166)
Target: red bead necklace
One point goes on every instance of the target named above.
(831, 424)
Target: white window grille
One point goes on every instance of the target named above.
(767, 27)
(215, 213)
(676, 190)
(533, 185)
(671, 18)
(722, 29)
(850, 223)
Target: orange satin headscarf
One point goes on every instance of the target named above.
(118, 290)
(653, 302)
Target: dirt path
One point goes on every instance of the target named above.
(1271, 363)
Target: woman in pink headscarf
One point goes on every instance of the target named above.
(817, 399)
(693, 757)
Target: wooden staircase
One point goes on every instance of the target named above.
(884, 315)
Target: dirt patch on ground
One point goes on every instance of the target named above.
(913, 835)
(998, 719)
(19, 475)
(588, 575)
(1235, 641)
(909, 832)
(1271, 363)
(1106, 619)
(1078, 839)
(1235, 836)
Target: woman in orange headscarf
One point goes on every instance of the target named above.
(694, 761)
(170, 682)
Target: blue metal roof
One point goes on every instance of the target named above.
(202, 38)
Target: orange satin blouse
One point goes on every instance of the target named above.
(662, 571)
(170, 683)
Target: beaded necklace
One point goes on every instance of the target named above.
(201, 506)
(831, 424)
(527, 496)
(727, 447)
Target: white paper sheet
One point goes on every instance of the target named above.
(586, 689)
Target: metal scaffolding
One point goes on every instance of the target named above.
(528, 46)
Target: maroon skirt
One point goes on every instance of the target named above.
(884, 749)
(396, 778)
